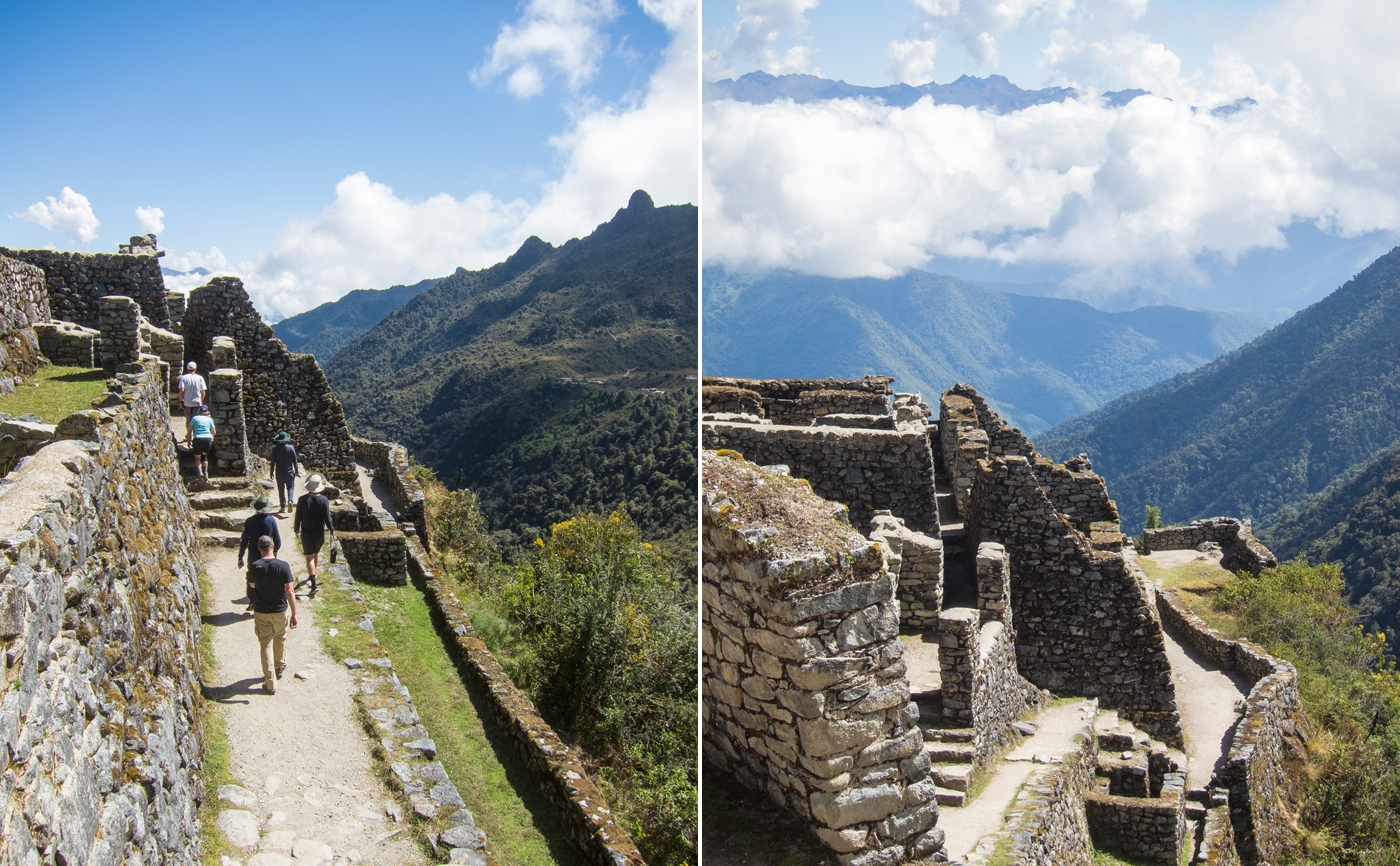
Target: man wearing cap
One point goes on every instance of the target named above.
(270, 590)
(311, 523)
(192, 391)
(285, 468)
(261, 523)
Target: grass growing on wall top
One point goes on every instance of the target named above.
(520, 826)
(53, 393)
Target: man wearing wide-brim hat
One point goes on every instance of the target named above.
(311, 523)
(261, 523)
(285, 469)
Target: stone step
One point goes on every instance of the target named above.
(220, 538)
(1195, 811)
(955, 777)
(946, 797)
(950, 735)
(212, 500)
(223, 519)
(950, 753)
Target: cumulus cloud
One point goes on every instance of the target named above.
(849, 188)
(561, 35)
(70, 213)
(753, 37)
(978, 24)
(152, 219)
(911, 62)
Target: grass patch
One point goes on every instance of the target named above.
(521, 826)
(745, 826)
(53, 393)
(1197, 575)
(216, 749)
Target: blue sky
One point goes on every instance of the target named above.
(1271, 207)
(270, 135)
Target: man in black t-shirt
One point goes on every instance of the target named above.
(270, 590)
(312, 522)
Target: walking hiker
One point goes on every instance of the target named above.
(270, 588)
(312, 521)
(261, 523)
(192, 391)
(285, 468)
(203, 428)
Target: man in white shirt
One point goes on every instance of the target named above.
(192, 388)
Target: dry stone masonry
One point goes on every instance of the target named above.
(74, 282)
(99, 619)
(289, 391)
(798, 634)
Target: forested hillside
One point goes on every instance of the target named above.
(1039, 360)
(471, 376)
(325, 330)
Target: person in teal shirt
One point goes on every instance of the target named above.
(202, 426)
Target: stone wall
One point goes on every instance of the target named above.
(1264, 767)
(119, 323)
(376, 557)
(75, 281)
(866, 470)
(1147, 829)
(99, 618)
(918, 560)
(1217, 846)
(68, 345)
(166, 345)
(1076, 492)
(289, 391)
(230, 455)
(740, 401)
(1084, 622)
(1239, 548)
(805, 694)
(798, 401)
(1002, 439)
(390, 462)
(963, 444)
(23, 301)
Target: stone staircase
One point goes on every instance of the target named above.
(951, 753)
(220, 504)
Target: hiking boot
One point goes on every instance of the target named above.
(280, 669)
(269, 688)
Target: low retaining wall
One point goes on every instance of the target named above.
(390, 462)
(68, 345)
(1218, 840)
(99, 619)
(721, 398)
(376, 557)
(1240, 550)
(564, 780)
(1263, 770)
(798, 401)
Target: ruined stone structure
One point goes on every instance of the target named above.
(75, 281)
(1240, 550)
(99, 618)
(289, 391)
(99, 608)
(1022, 577)
(23, 305)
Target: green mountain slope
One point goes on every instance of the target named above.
(470, 376)
(1264, 427)
(1039, 360)
(1355, 522)
(325, 330)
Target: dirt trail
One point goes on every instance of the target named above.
(301, 755)
(1056, 728)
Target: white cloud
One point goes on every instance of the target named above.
(848, 189)
(978, 24)
(152, 219)
(370, 238)
(753, 37)
(70, 213)
(560, 34)
(911, 62)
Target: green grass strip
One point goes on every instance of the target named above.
(521, 826)
(54, 393)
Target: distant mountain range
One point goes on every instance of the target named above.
(326, 329)
(538, 382)
(1299, 430)
(1039, 360)
(994, 92)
